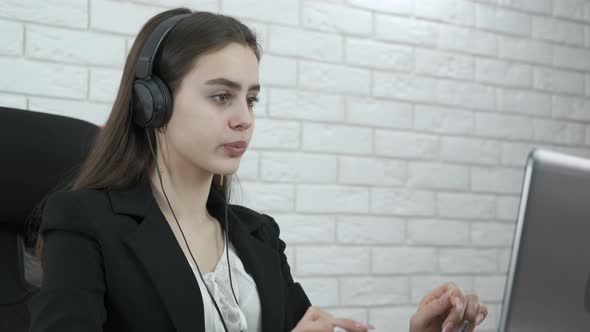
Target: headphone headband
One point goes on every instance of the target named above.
(145, 64)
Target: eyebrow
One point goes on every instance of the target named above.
(231, 84)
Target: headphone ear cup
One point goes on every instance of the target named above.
(152, 102)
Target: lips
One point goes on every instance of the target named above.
(235, 149)
(237, 145)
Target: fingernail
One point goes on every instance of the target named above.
(444, 298)
(448, 327)
(479, 319)
(458, 303)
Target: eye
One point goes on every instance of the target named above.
(252, 101)
(222, 97)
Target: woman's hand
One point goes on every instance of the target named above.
(316, 320)
(446, 308)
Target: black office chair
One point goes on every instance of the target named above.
(38, 152)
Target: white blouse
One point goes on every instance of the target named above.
(246, 316)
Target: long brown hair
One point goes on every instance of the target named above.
(121, 156)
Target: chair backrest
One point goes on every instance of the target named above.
(38, 151)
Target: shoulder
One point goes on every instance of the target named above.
(70, 210)
(256, 221)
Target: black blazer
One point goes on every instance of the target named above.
(112, 263)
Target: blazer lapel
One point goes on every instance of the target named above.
(156, 247)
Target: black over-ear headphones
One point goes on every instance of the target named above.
(152, 100)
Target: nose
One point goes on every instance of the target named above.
(242, 118)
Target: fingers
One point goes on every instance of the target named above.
(473, 312)
(455, 315)
(482, 314)
(429, 312)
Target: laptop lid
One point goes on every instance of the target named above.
(549, 273)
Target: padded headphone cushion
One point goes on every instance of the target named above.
(152, 102)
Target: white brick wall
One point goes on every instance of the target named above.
(391, 136)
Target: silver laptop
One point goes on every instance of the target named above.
(548, 286)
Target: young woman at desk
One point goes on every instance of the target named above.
(143, 238)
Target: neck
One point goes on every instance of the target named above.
(187, 192)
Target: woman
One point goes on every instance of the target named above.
(144, 240)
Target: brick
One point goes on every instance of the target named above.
(468, 206)
(502, 20)
(396, 7)
(305, 228)
(423, 285)
(305, 105)
(469, 150)
(524, 102)
(572, 9)
(370, 230)
(406, 145)
(332, 198)
(434, 175)
(12, 36)
(298, 167)
(526, 50)
(503, 126)
(403, 260)
(371, 291)
(492, 234)
(537, 6)
(120, 17)
(416, 88)
(449, 11)
(13, 101)
(321, 291)
(374, 171)
(405, 30)
(438, 232)
(374, 54)
(88, 111)
(445, 64)
(378, 113)
(79, 47)
(571, 108)
(279, 71)
(333, 260)
(104, 84)
(515, 154)
(572, 58)
(276, 134)
(396, 318)
(334, 78)
(468, 260)
(443, 120)
(68, 13)
(318, 45)
(54, 80)
(402, 202)
(249, 165)
(508, 207)
(504, 73)
(336, 18)
(560, 132)
(267, 197)
(284, 12)
(467, 40)
(202, 5)
(554, 80)
(489, 288)
(557, 30)
(337, 138)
